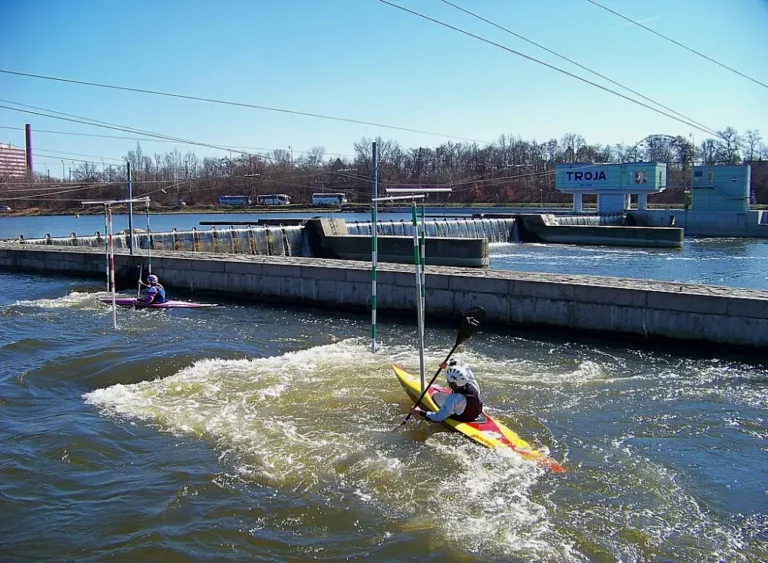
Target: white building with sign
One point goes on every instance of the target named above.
(613, 184)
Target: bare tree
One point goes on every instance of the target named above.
(752, 144)
(729, 146)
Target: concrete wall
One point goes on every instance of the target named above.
(331, 239)
(546, 228)
(707, 224)
(612, 306)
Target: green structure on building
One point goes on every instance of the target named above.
(720, 188)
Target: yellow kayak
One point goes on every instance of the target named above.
(485, 430)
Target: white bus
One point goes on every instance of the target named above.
(234, 200)
(273, 199)
(329, 199)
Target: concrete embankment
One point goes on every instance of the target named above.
(750, 224)
(551, 229)
(612, 306)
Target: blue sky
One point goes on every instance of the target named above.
(361, 59)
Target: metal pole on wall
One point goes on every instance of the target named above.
(106, 244)
(130, 208)
(419, 308)
(374, 241)
(112, 269)
(423, 263)
(149, 244)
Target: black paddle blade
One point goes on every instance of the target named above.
(469, 324)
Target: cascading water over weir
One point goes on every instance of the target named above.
(260, 241)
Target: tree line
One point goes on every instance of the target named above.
(511, 170)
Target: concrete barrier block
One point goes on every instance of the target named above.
(308, 290)
(745, 307)
(610, 295)
(253, 284)
(215, 266)
(358, 276)
(397, 297)
(236, 283)
(437, 281)
(178, 264)
(356, 295)
(522, 310)
(328, 291)
(496, 306)
(291, 289)
(271, 286)
(281, 270)
(479, 284)
(685, 302)
(559, 313)
(440, 301)
(406, 279)
(542, 290)
(315, 273)
(243, 268)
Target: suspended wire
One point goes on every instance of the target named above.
(227, 147)
(107, 125)
(231, 103)
(36, 149)
(695, 52)
(577, 77)
(481, 18)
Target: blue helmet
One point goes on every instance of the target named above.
(152, 278)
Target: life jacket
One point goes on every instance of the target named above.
(158, 292)
(474, 404)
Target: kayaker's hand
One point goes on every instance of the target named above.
(444, 365)
(415, 410)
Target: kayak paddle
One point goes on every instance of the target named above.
(469, 324)
(138, 289)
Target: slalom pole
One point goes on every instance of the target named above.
(419, 311)
(423, 263)
(374, 243)
(106, 245)
(149, 244)
(112, 269)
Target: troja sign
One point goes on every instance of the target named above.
(588, 176)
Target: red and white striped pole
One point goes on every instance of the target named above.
(112, 269)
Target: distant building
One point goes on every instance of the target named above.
(613, 184)
(13, 162)
(721, 188)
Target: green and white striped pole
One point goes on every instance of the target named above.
(423, 264)
(374, 242)
(106, 245)
(149, 244)
(419, 291)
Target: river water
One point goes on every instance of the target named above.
(252, 432)
(724, 261)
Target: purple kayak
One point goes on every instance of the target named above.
(169, 304)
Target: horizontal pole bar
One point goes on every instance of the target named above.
(393, 197)
(419, 190)
(116, 201)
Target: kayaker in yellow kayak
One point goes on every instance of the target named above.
(464, 403)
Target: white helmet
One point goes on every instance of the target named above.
(152, 278)
(457, 374)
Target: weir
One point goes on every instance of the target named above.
(648, 310)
